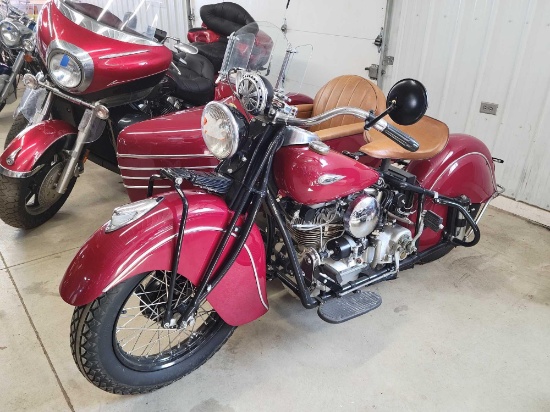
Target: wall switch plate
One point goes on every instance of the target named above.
(489, 108)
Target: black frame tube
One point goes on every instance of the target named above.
(305, 297)
(176, 256)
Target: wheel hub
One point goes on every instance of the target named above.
(47, 195)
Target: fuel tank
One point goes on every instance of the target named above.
(173, 140)
(311, 178)
(110, 65)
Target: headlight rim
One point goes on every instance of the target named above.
(235, 137)
(20, 35)
(81, 57)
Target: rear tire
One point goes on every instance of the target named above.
(26, 203)
(104, 346)
(18, 125)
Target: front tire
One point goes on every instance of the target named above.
(19, 124)
(119, 344)
(26, 203)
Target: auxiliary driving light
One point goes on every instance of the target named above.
(30, 81)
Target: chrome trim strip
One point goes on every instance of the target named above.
(160, 167)
(19, 175)
(136, 262)
(296, 136)
(134, 178)
(146, 187)
(163, 156)
(116, 55)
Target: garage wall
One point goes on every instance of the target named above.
(341, 33)
(470, 51)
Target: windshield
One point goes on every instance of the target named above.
(263, 48)
(138, 18)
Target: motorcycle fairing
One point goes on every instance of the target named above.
(32, 143)
(114, 62)
(464, 167)
(148, 244)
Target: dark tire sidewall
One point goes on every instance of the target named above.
(19, 124)
(102, 328)
(14, 193)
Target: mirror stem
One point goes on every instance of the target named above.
(372, 122)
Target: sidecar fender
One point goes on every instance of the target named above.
(107, 259)
(464, 167)
(28, 146)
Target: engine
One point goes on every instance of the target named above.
(347, 238)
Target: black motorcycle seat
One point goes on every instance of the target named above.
(194, 77)
(223, 18)
(213, 52)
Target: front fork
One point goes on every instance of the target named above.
(15, 69)
(89, 129)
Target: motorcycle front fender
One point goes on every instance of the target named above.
(147, 244)
(22, 154)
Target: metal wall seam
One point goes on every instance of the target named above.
(450, 66)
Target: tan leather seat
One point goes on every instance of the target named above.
(431, 134)
(349, 90)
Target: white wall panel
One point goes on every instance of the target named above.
(469, 51)
(341, 33)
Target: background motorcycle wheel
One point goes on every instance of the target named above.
(29, 202)
(118, 356)
(18, 125)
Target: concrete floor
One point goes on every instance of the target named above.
(468, 332)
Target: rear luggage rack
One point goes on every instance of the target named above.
(209, 181)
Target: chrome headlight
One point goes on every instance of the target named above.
(28, 45)
(10, 33)
(124, 215)
(70, 67)
(65, 70)
(222, 129)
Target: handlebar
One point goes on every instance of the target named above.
(395, 134)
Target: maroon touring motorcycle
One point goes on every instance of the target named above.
(161, 287)
(106, 69)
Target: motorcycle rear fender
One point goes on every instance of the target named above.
(31, 144)
(464, 167)
(107, 259)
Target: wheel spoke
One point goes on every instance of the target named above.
(139, 332)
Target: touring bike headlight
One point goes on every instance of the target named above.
(222, 128)
(10, 33)
(65, 70)
(70, 67)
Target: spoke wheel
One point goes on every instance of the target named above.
(140, 340)
(119, 342)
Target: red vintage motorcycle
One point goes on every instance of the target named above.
(105, 69)
(161, 286)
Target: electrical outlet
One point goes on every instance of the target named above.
(489, 108)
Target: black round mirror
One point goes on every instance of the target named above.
(411, 101)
